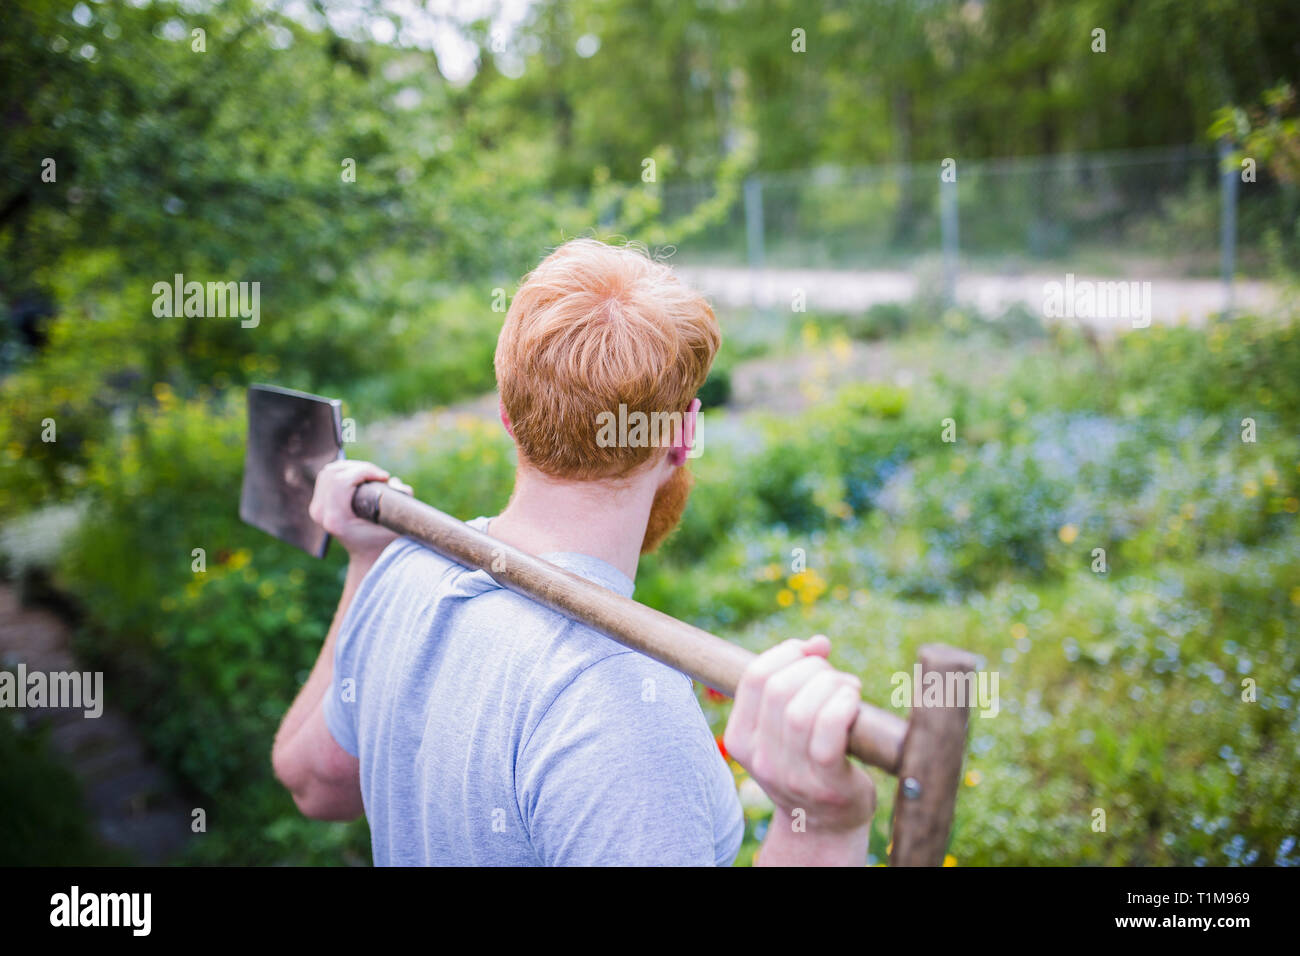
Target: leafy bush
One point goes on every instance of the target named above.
(206, 660)
(716, 390)
(44, 823)
(856, 518)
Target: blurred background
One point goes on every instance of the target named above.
(875, 195)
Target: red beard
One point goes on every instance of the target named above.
(666, 511)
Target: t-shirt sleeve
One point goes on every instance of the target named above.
(623, 770)
(340, 716)
(362, 617)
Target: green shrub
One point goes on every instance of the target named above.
(44, 821)
(206, 660)
(716, 390)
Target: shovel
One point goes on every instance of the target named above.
(292, 435)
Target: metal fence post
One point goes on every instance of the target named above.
(1227, 222)
(754, 232)
(948, 226)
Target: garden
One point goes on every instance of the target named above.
(1108, 521)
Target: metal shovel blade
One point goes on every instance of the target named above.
(291, 436)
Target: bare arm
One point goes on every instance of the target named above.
(323, 778)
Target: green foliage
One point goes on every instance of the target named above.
(44, 823)
(1269, 135)
(1239, 368)
(207, 660)
(228, 165)
(1121, 683)
(882, 321)
(463, 463)
(866, 487)
(716, 390)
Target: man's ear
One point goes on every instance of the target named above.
(505, 419)
(677, 455)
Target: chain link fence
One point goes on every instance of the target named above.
(1172, 213)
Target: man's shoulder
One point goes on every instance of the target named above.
(554, 654)
(410, 567)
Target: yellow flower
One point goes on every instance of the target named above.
(240, 558)
(1018, 630)
(785, 597)
(949, 860)
(1250, 489)
(1068, 533)
(973, 777)
(809, 584)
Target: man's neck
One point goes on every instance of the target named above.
(598, 519)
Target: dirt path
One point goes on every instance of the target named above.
(1172, 300)
(132, 802)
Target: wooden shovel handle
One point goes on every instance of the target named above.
(876, 736)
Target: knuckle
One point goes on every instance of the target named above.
(799, 719)
(825, 756)
(751, 684)
(783, 683)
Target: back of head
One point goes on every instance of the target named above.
(592, 328)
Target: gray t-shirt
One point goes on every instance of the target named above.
(494, 732)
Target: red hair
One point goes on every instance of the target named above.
(591, 328)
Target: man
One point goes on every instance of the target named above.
(475, 727)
